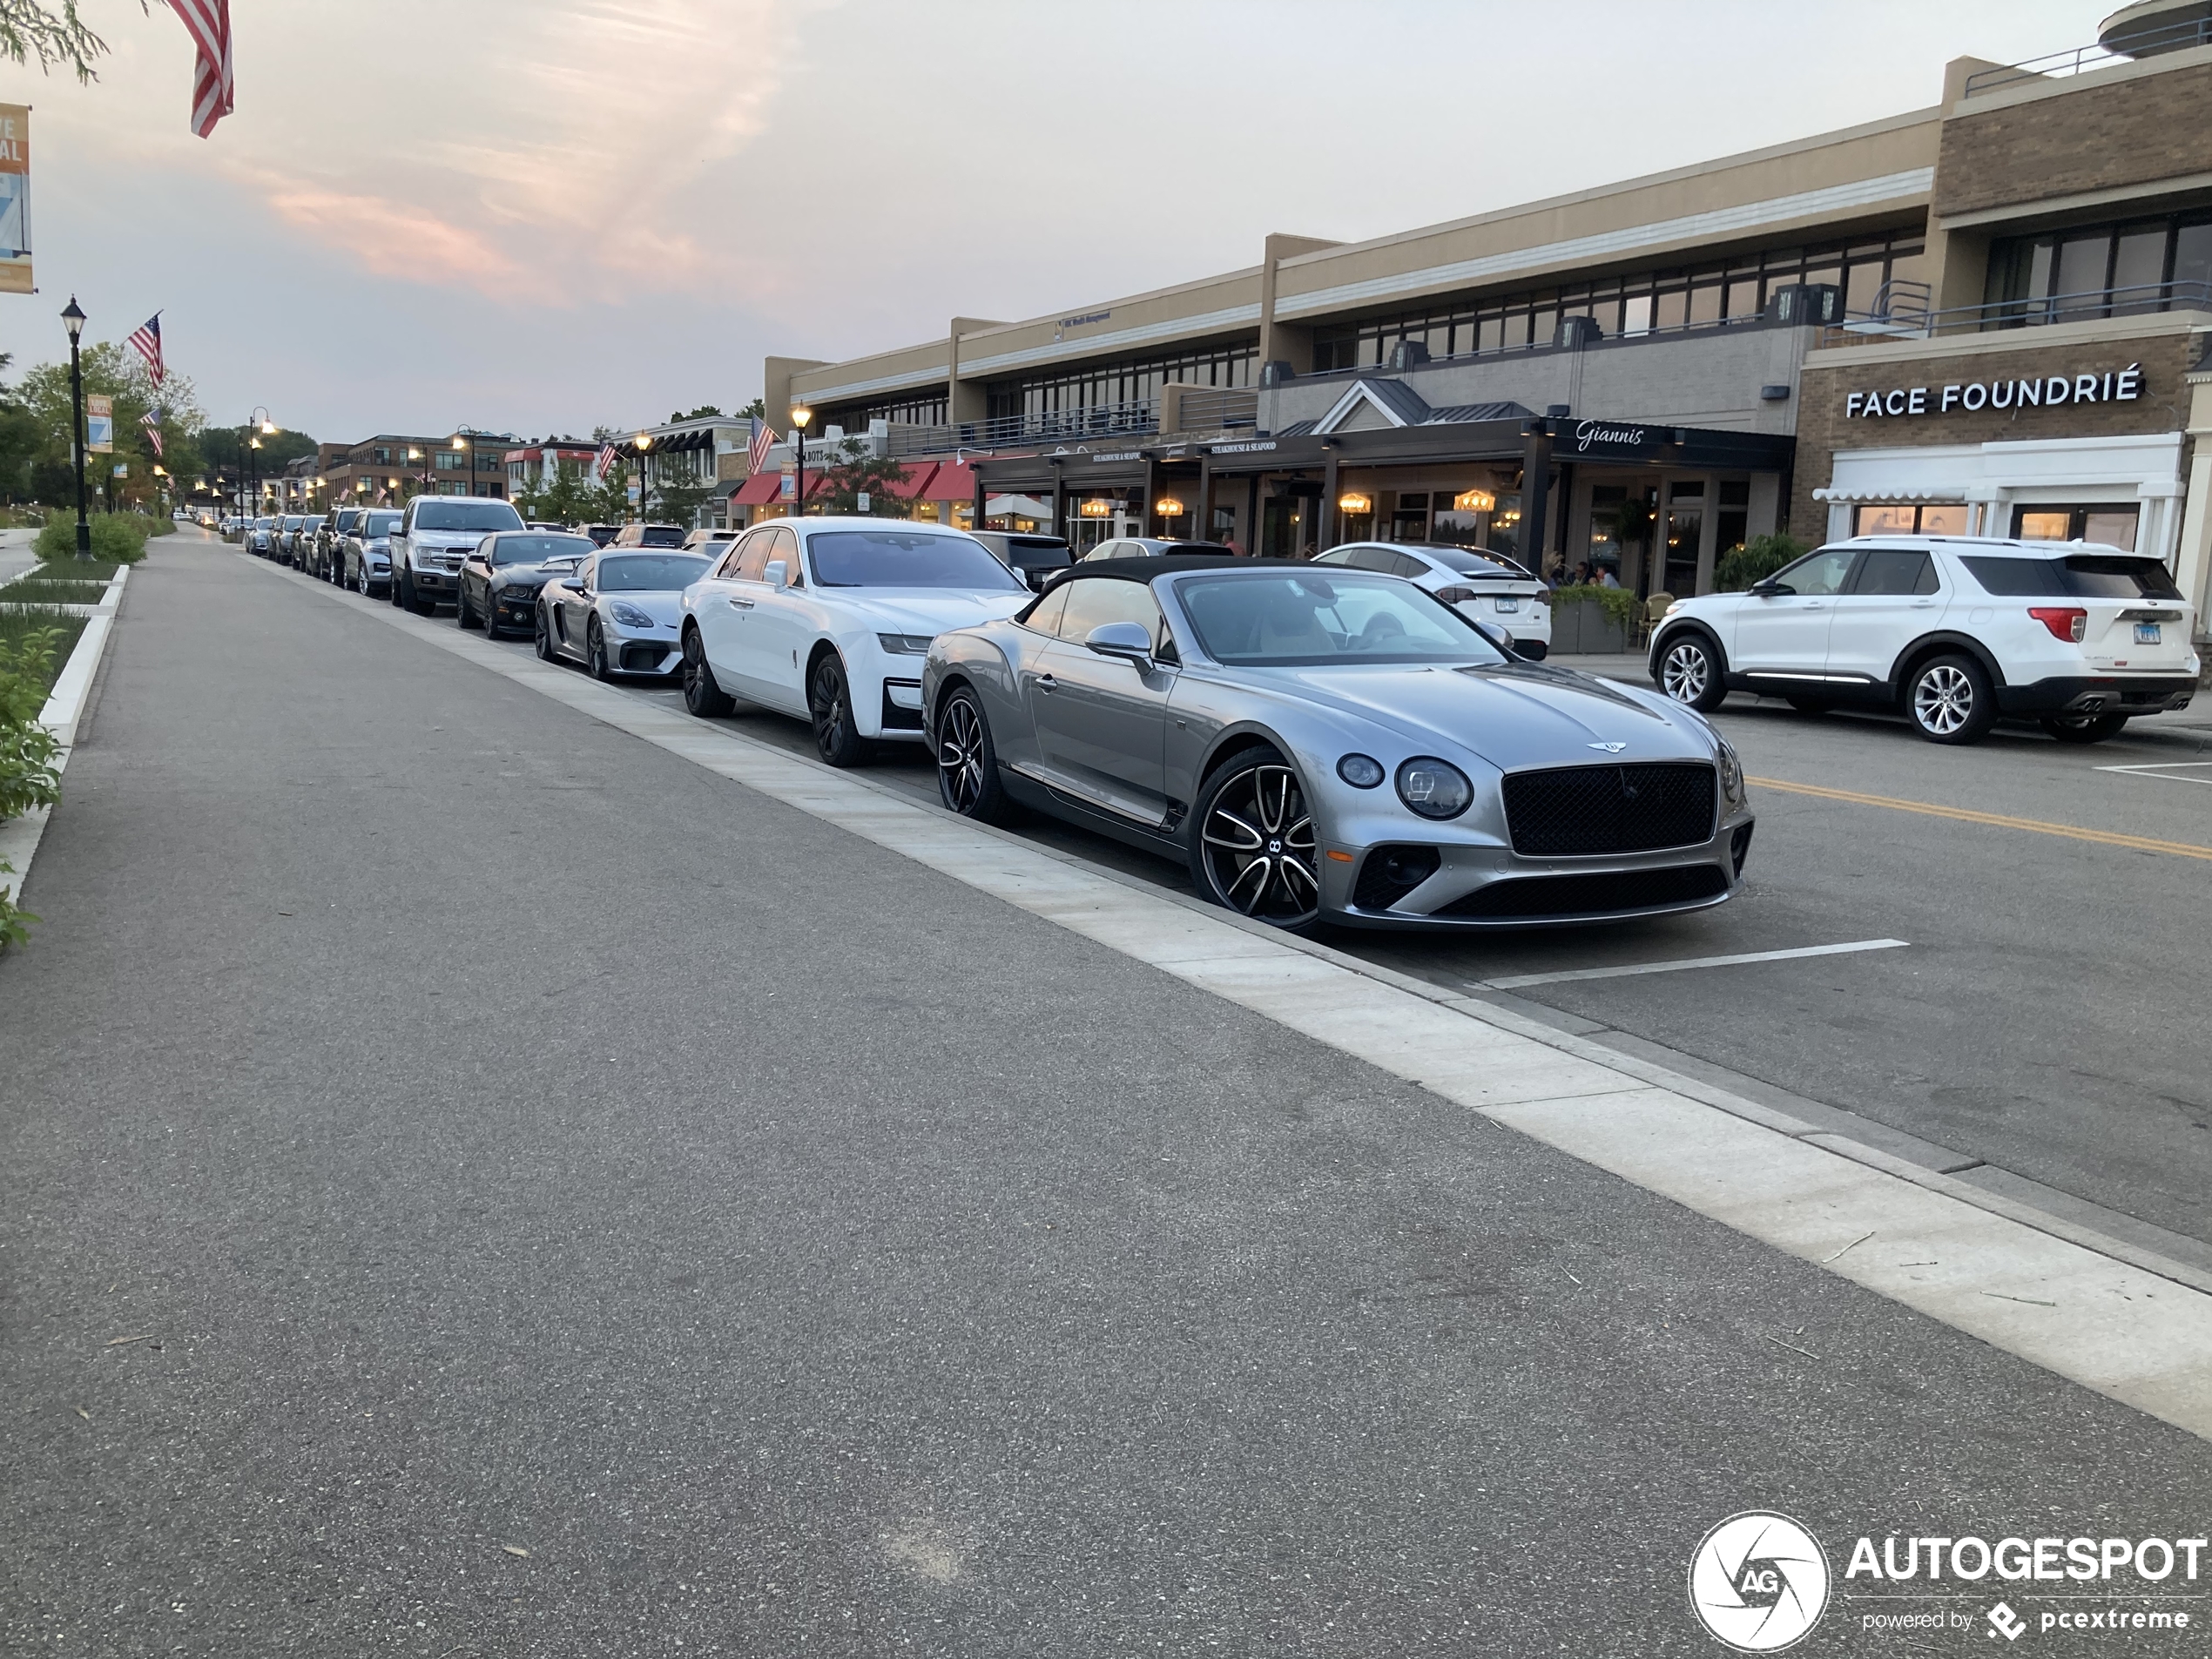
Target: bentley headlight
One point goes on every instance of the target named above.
(630, 616)
(1731, 767)
(1435, 788)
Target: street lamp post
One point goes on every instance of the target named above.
(641, 443)
(73, 320)
(801, 419)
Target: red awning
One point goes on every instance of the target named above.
(914, 480)
(759, 489)
(955, 481)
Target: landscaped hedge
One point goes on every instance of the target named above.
(120, 538)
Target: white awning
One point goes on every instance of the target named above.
(1873, 494)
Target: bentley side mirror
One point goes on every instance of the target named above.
(1130, 641)
(775, 573)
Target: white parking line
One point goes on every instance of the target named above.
(1518, 980)
(2106, 1314)
(2160, 769)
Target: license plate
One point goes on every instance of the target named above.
(1507, 606)
(2147, 633)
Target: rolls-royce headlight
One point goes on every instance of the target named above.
(1731, 767)
(905, 644)
(1435, 788)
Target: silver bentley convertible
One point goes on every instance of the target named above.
(1326, 745)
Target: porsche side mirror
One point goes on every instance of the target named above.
(573, 585)
(1130, 641)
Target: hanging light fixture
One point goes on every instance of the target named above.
(1168, 507)
(1353, 503)
(1096, 507)
(1476, 500)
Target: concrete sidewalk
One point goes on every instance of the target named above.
(473, 1180)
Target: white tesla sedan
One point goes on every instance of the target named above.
(829, 619)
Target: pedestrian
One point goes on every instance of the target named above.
(1231, 544)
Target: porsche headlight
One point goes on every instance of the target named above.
(630, 616)
(1731, 767)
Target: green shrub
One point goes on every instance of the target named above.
(1755, 560)
(120, 538)
(27, 750)
(1620, 606)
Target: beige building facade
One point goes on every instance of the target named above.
(1640, 377)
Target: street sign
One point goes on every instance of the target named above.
(99, 423)
(15, 198)
(861, 501)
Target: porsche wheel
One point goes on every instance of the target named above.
(595, 651)
(542, 637)
(967, 766)
(1255, 850)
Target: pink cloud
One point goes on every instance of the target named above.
(397, 240)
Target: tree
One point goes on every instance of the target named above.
(756, 410)
(118, 373)
(704, 412)
(854, 471)
(28, 30)
(678, 500)
(569, 499)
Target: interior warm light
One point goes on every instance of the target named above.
(1096, 507)
(1353, 503)
(1476, 500)
(1168, 507)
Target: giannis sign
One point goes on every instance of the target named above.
(2048, 391)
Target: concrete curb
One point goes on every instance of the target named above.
(66, 704)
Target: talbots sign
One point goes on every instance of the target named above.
(2049, 391)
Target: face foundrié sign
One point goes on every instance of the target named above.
(2108, 386)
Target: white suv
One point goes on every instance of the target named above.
(1480, 585)
(1953, 631)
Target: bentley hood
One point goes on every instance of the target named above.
(1511, 716)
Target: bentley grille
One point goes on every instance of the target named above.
(1582, 810)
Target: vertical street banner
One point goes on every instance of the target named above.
(99, 424)
(15, 198)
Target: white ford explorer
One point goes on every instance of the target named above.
(1953, 631)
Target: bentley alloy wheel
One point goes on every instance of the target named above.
(1256, 844)
(968, 768)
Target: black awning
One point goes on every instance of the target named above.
(680, 442)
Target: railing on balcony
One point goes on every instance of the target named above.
(2140, 299)
(2143, 42)
(1130, 419)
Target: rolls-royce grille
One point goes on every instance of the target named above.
(1598, 894)
(1580, 811)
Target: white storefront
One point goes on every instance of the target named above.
(2128, 490)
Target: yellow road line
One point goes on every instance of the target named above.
(2107, 837)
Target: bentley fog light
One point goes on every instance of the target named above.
(1361, 771)
(1435, 788)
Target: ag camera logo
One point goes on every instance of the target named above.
(1758, 1582)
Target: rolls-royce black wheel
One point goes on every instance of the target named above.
(829, 700)
(701, 695)
(1254, 848)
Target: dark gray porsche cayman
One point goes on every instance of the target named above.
(1330, 744)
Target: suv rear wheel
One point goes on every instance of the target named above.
(1949, 700)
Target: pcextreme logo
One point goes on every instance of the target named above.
(1758, 1582)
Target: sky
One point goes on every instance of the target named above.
(539, 216)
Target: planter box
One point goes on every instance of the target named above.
(1580, 629)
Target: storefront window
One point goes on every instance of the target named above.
(2113, 525)
(1908, 518)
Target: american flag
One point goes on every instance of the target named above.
(208, 23)
(146, 337)
(151, 421)
(762, 437)
(604, 462)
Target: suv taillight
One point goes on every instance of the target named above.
(2069, 623)
(1456, 596)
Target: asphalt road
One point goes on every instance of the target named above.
(439, 1127)
(2043, 1034)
